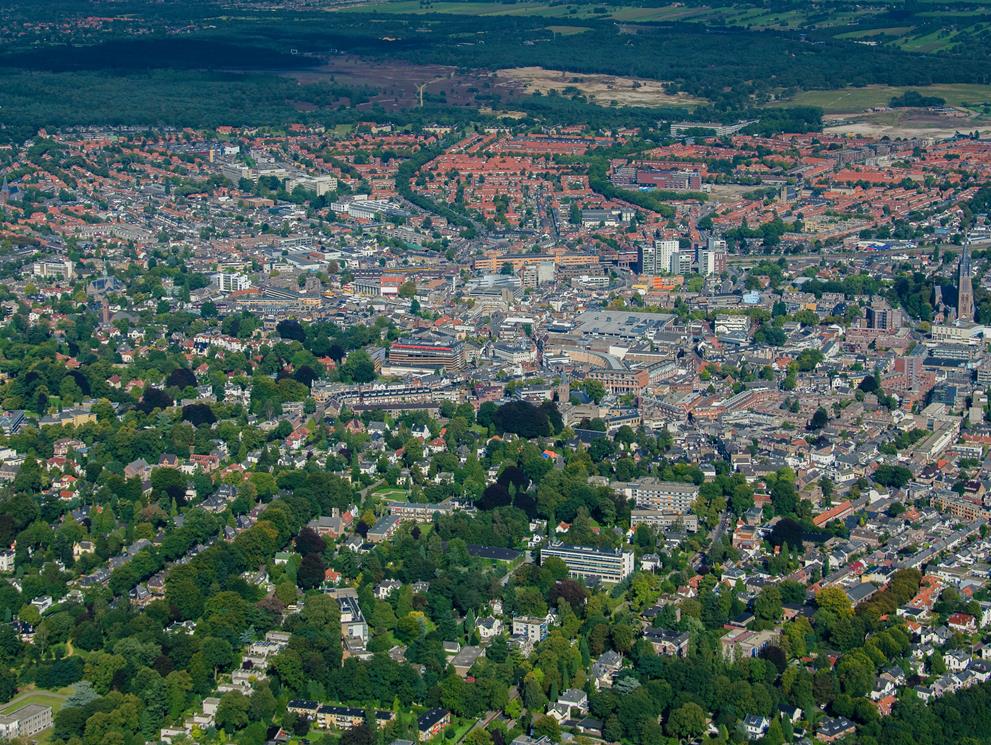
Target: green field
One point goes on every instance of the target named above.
(398, 495)
(855, 100)
(755, 18)
(43, 698)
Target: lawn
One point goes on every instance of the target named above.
(856, 100)
(43, 698)
(398, 495)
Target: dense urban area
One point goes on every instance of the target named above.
(450, 377)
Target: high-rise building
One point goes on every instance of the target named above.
(656, 259)
(883, 317)
(228, 282)
(712, 261)
(965, 291)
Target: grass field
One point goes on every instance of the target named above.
(398, 495)
(856, 100)
(755, 18)
(43, 698)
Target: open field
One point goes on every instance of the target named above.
(43, 698)
(568, 30)
(755, 18)
(398, 495)
(601, 89)
(855, 100)
(905, 123)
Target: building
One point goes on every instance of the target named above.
(7, 561)
(591, 564)
(739, 643)
(670, 180)
(383, 529)
(665, 496)
(656, 259)
(53, 269)
(319, 185)
(661, 520)
(227, 282)
(432, 723)
(432, 354)
(965, 291)
(881, 317)
(353, 624)
(666, 642)
(712, 261)
(531, 628)
(620, 381)
(831, 729)
(25, 722)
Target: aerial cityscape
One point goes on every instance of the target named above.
(495, 372)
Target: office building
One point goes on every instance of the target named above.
(26, 721)
(591, 564)
(53, 269)
(432, 354)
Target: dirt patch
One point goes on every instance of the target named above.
(396, 84)
(906, 124)
(602, 89)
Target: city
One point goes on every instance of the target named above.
(438, 414)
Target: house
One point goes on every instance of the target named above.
(7, 561)
(831, 729)
(755, 726)
(488, 628)
(386, 587)
(465, 658)
(605, 667)
(575, 700)
(432, 723)
(962, 622)
(668, 642)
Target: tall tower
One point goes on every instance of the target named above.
(965, 291)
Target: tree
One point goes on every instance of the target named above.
(892, 476)
(594, 389)
(181, 377)
(687, 721)
(767, 606)
(154, 398)
(311, 572)
(358, 368)
(819, 420)
(291, 329)
(835, 600)
(232, 712)
(360, 734)
(198, 414)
